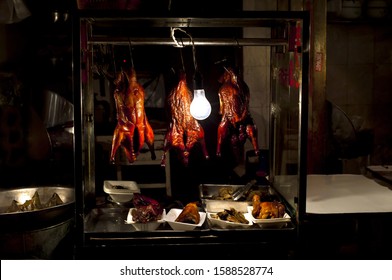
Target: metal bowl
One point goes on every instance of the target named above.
(39, 218)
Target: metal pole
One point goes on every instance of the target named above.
(98, 40)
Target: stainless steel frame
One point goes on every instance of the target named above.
(92, 240)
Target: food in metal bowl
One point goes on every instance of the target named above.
(225, 193)
(34, 203)
(52, 211)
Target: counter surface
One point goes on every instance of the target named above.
(346, 194)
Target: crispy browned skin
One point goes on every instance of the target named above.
(190, 214)
(271, 210)
(267, 209)
(234, 107)
(256, 205)
(184, 130)
(131, 117)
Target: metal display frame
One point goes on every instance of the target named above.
(225, 243)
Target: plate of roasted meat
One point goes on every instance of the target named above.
(230, 218)
(144, 226)
(187, 218)
(268, 214)
(147, 214)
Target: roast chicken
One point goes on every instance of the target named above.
(190, 214)
(267, 209)
(132, 129)
(236, 120)
(184, 130)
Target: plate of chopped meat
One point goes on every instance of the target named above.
(230, 218)
(144, 226)
(147, 214)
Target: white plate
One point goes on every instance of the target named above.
(175, 212)
(150, 226)
(123, 194)
(227, 225)
(270, 223)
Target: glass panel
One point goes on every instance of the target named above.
(285, 117)
(87, 99)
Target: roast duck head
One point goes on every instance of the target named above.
(184, 130)
(132, 129)
(236, 122)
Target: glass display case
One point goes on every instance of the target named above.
(268, 54)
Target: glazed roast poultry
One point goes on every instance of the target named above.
(184, 130)
(236, 120)
(132, 129)
(146, 209)
(267, 209)
(190, 214)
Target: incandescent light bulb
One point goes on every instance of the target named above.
(200, 107)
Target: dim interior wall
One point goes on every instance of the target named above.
(257, 5)
(350, 69)
(3, 53)
(257, 73)
(358, 80)
(257, 76)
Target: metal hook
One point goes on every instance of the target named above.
(182, 60)
(173, 29)
(182, 43)
(194, 54)
(238, 43)
(114, 60)
(130, 51)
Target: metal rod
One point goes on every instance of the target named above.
(187, 42)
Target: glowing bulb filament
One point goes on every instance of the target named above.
(200, 107)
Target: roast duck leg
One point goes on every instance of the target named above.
(184, 131)
(236, 120)
(131, 118)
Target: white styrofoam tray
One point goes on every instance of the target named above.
(227, 224)
(175, 212)
(270, 223)
(121, 191)
(149, 226)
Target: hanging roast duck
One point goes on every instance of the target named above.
(133, 128)
(184, 130)
(236, 120)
